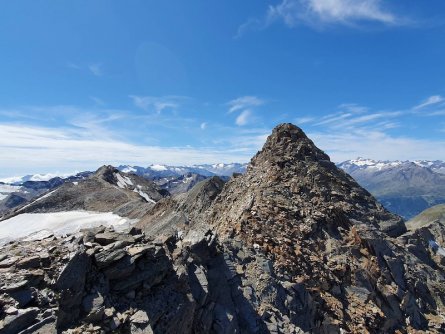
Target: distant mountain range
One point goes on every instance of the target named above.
(404, 187)
(159, 171)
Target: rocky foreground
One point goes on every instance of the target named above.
(294, 245)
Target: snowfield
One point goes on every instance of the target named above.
(59, 223)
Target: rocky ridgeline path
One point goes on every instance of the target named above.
(100, 281)
(294, 245)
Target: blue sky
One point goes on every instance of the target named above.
(84, 83)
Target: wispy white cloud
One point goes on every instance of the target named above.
(96, 69)
(322, 12)
(64, 149)
(430, 101)
(244, 102)
(355, 130)
(244, 105)
(74, 66)
(440, 112)
(203, 126)
(244, 117)
(376, 145)
(97, 101)
(352, 116)
(304, 120)
(157, 103)
(249, 25)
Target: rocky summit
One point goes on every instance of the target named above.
(294, 245)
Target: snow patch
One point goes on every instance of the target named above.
(2, 197)
(59, 223)
(144, 195)
(45, 196)
(123, 181)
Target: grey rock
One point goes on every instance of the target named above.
(14, 323)
(44, 326)
(107, 238)
(107, 257)
(71, 283)
(29, 262)
(92, 302)
(121, 269)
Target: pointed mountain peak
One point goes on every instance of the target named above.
(106, 172)
(288, 143)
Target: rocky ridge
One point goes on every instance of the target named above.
(27, 189)
(107, 190)
(295, 245)
(320, 229)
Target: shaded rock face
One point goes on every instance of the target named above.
(173, 214)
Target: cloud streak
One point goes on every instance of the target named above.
(355, 130)
(322, 12)
(318, 14)
(96, 69)
(243, 118)
(157, 103)
(376, 145)
(47, 149)
(430, 101)
(244, 105)
(244, 102)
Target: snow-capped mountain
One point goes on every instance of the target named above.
(159, 171)
(20, 190)
(404, 187)
(362, 164)
(437, 166)
(18, 180)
